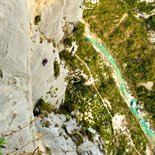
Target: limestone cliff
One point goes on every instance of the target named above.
(31, 31)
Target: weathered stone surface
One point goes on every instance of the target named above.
(59, 136)
(55, 17)
(23, 78)
(44, 83)
(15, 85)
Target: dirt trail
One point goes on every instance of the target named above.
(91, 77)
(117, 25)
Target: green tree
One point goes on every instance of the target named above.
(151, 22)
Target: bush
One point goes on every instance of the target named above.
(131, 2)
(56, 69)
(42, 107)
(151, 22)
(78, 31)
(148, 98)
(145, 7)
(37, 19)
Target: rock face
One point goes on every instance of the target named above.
(29, 30)
(55, 20)
(15, 83)
(59, 19)
(66, 135)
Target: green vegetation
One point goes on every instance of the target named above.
(149, 97)
(77, 35)
(128, 43)
(43, 106)
(56, 69)
(48, 150)
(46, 124)
(68, 42)
(1, 73)
(145, 7)
(78, 31)
(37, 19)
(77, 138)
(85, 100)
(2, 142)
(151, 22)
(140, 6)
(131, 2)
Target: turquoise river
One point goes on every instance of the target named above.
(131, 101)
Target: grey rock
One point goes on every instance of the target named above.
(24, 79)
(57, 15)
(15, 90)
(61, 139)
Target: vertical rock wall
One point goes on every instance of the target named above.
(15, 82)
(23, 78)
(53, 20)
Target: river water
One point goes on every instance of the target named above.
(131, 101)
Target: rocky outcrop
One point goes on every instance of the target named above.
(63, 135)
(52, 21)
(60, 18)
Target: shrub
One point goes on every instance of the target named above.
(78, 31)
(37, 19)
(42, 107)
(46, 124)
(145, 7)
(56, 69)
(151, 22)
